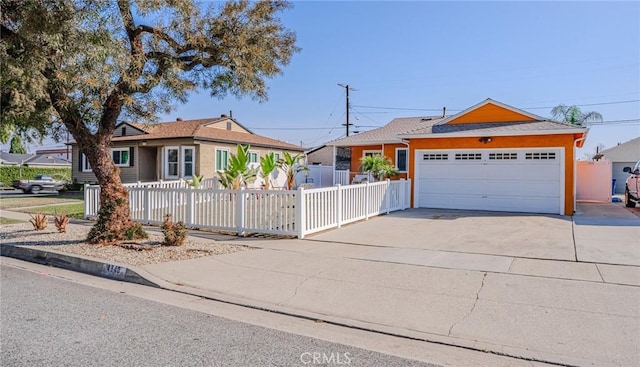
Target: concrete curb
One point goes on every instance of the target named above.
(75, 263)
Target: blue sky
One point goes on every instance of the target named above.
(426, 55)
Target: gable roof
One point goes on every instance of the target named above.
(628, 151)
(47, 160)
(495, 128)
(388, 133)
(14, 159)
(477, 114)
(198, 130)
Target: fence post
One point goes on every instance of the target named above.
(190, 206)
(339, 205)
(300, 220)
(147, 204)
(366, 200)
(240, 210)
(387, 196)
(86, 200)
(406, 194)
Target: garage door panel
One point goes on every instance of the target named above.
(506, 181)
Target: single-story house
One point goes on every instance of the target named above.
(179, 149)
(33, 160)
(491, 156)
(622, 155)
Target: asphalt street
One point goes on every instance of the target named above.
(46, 320)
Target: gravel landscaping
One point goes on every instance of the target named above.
(73, 242)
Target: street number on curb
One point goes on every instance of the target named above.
(114, 271)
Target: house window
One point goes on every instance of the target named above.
(468, 156)
(503, 156)
(222, 159)
(401, 159)
(253, 157)
(86, 167)
(371, 153)
(277, 155)
(124, 131)
(171, 162)
(188, 161)
(120, 156)
(435, 157)
(541, 155)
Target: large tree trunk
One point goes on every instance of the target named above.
(114, 222)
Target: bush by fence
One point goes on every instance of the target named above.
(10, 173)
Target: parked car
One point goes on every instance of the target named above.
(39, 183)
(632, 186)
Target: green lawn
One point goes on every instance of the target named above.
(10, 221)
(72, 210)
(22, 202)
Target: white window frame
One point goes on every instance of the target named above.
(372, 152)
(184, 162)
(406, 157)
(216, 158)
(257, 153)
(277, 155)
(166, 161)
(113, 150)
(86, 167)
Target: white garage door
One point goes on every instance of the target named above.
(515, 180)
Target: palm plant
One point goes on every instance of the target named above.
(380, 167)
(195, 181)
(290, 164)
(574, 116)
(238, 173)
(268, 164)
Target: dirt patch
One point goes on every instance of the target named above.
(73, 242)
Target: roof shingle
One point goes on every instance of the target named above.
(390, 132)
(195, 129)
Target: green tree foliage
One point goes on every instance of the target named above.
(574, 116)
(268, 164)
(86, 65)
(291, 166)
(16, 146)
(380, 167)
(238, 173)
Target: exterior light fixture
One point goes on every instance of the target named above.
(485, 139)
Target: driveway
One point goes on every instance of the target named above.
(490, 233)
(598, 232)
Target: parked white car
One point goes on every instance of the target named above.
(632, 186)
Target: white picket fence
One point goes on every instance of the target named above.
(282, 212)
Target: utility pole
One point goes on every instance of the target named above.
(347, 89)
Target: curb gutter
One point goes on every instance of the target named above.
(75, 263)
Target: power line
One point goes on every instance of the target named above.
(607, 122)
(524, 108)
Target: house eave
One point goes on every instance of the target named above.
(270, 146)
(499, 133)
(365, 143)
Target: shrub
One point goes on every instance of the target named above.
(174, 233)
(39, 221)
(61, 222)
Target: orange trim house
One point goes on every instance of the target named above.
(490, 156)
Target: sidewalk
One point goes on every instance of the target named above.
(555, 311)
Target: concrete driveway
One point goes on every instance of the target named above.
(490, 233)
(598, 232)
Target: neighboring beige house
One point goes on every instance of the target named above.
(622, 155)
(180, 149)
(323, 155)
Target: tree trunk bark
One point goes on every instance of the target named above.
(114, 221)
